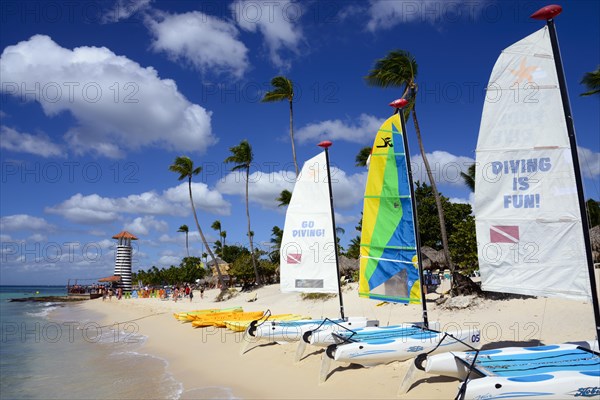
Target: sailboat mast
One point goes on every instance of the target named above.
(325, 145)
(399, 105)
(548, 13)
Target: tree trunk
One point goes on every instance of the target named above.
(212, 256)
(292, 137)
(187, 247)
(436, 195)
(249, 235)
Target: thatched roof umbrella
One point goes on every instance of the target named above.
(432, 258)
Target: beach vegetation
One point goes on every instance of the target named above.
(184, 166)
(276, 239)
(283, 89)
(399, 69)
(242, 157)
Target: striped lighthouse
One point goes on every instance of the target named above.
(123, 258)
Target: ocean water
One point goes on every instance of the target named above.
(58, 351)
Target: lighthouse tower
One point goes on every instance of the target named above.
(123, 258)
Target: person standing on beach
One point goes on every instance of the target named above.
(202, 291)
(191, 294)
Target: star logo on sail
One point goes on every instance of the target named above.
(523, 73)
(504, 234)
(293, 258)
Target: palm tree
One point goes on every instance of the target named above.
(184, 228)
(242, 156)
(223, 236)
(399, 69)
(283, 89)
(592, 81)
(469, 177)
(184, 166)
(284, 198)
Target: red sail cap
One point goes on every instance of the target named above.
(546, 13)
(325, 144)
(399, 103)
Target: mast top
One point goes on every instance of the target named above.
(325, 144)
(547, 12)
(399, 103)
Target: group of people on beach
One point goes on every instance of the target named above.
(110, 292)
(186, 291)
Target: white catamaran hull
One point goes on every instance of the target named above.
(292, 331)
(385, 350)
(535, 373)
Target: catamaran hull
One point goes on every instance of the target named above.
(545, 372)
(558, 385)
(385, 350)
(292, 331)
(325, 337)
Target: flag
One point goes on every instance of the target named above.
(504, 234)
(294, 258)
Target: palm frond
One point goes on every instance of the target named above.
(592, 82)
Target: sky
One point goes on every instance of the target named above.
(99, 97)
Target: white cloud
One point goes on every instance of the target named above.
(278, 22)
(360, 131)
(24, 222)
(39, 144)
(206, 42)
(124, 9)
(445, 167)
(265, 188)
(385, 14)
(118, 104)
(589, 162)
(143, 225)
(173, 201)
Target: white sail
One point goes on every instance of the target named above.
(307, 257)
(529, 232)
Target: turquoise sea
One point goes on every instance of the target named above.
(56, 351)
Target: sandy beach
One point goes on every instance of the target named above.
(209, 365)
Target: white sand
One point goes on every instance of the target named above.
(209, 357)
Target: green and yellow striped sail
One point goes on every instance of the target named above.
(388, 253)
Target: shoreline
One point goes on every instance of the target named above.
(208, 364)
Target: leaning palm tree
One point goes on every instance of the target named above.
(242, 156)
(184, 166)
(399, 69)
(592, 82)
(283, 89)
(184, 228)
(469, 177)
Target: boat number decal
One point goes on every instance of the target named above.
(475, 338)
(414, 349)
(587, 392)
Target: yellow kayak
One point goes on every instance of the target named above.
(188, 316)
(218, 319)
(242, 325)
